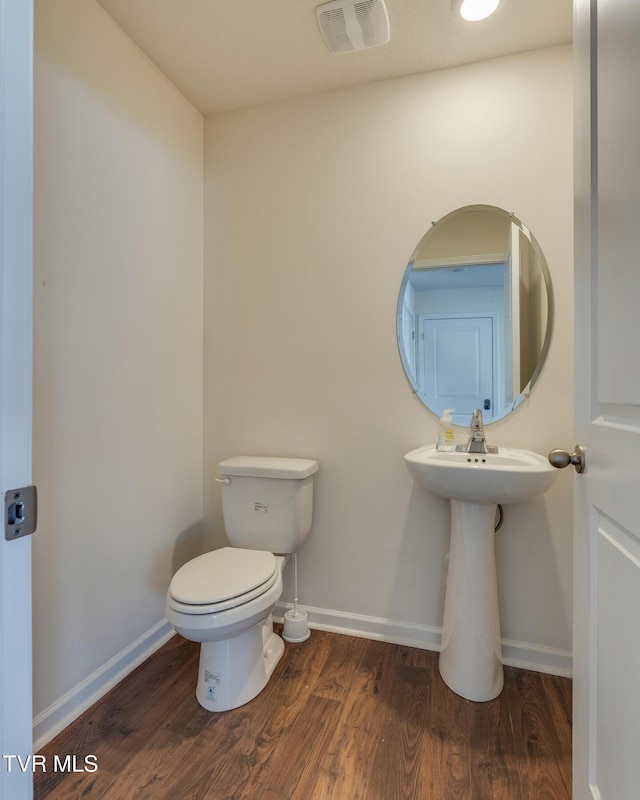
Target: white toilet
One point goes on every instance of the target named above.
(225, 598)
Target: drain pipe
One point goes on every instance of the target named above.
(500, 519)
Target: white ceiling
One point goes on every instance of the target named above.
(226, 54)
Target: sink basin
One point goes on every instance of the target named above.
(509, 476)
(475, 484)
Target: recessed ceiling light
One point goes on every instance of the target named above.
(475, 10)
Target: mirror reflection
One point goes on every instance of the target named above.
(475, 314)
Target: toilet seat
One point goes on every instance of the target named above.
(222, 579)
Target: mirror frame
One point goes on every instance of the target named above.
(546, 275)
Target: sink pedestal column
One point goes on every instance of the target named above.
(470, 655)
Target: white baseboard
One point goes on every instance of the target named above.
(537, 657)
(64, 711)
(425, 637)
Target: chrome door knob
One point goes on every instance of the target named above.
(562, 458)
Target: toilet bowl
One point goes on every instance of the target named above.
(224, 599)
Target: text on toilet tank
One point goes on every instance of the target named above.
(263, 507)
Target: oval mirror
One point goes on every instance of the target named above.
(475, 313)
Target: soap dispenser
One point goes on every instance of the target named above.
(445, 440)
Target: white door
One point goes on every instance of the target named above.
(607, 307)
(16, 778)
(409, 338)
(457, 364)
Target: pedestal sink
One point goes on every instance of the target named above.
(475, 483)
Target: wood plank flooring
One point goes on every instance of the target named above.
(341, 719)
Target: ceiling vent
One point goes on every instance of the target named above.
(353, 24)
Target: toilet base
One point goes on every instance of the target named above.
(235, 670)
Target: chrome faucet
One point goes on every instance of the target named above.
(477, 442)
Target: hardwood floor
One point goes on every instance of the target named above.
(341, 719)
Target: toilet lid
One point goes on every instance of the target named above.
(222, 575)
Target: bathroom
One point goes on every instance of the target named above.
(205, 287)
(312, 208)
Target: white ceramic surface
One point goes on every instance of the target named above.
(475, 483)
(225, 599)
(471, 645)
(509, 476)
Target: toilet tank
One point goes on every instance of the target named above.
(267, 502)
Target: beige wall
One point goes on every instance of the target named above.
(313, 208)
(118, 351)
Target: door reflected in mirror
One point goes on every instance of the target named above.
(475, 314)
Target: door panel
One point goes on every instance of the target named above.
(15, 391)
(607, 527)
(457, 364)
(615, 723)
